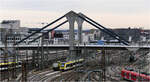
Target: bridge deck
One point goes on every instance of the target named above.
(66, 47)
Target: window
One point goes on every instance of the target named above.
(67, 65)
(140, 78)
(127, 75)
(74, 63)
(133, 77)
(71, 64)
(145, 79)
(123, 74)
(62, 64)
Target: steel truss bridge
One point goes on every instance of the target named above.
(71, 18)
(79, 18)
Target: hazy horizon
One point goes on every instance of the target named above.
(111, 14)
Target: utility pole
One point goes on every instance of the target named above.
(24, 74)
(103, 65)
(4, 40)
(42, 52)
(33, 59)
(14, 57)
(25, 67)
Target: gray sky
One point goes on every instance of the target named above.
(110, 13)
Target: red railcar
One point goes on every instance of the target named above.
(135, 76)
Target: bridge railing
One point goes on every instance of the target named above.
(47, 43)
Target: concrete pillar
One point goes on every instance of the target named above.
(33, 59)
(42, 53)
(79, 22)
(71, 19)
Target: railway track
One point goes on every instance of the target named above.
(38, 76)
(112, 73)
(71, 75)
(63, 76)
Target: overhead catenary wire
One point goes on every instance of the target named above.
(41, 29)
(102, 29)
(95, 24)
(105, 28)
(48, 31)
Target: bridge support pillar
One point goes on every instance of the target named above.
(71, 19)
(80, 23)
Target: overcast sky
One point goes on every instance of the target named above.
(110, 13)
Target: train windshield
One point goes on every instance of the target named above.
(145, 73)
(62, 64)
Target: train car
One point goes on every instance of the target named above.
(56, 66)
(132, 75)
(70, 64)
(10, 65)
